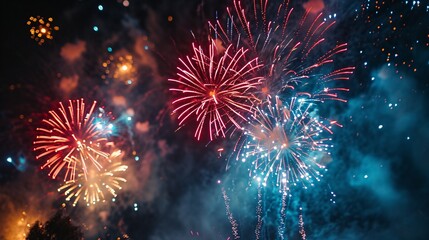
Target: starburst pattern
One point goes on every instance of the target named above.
(71, 138)
(215, 89)
(286, 142)
(93, 188)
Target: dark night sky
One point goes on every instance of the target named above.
(379, 174)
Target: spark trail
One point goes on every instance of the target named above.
(234, 224)
(259, 214)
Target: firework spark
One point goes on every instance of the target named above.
(41, 30)
(259, 215)
(72, 137)
(234, 224)
(94, 187)
(292, 50)
(287, 143)
(120, 69)
(282, 226)
(301, 225)
(217, 89)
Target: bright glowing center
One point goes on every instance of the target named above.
(79, 144)
(212, 94)
(43, 30)
(124, 68)
(278, 138)
(265, 90)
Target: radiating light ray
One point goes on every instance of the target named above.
(41, 30)
(215, 90)
(93, 188)
(286, 144)
(71, 138)
(289, 44)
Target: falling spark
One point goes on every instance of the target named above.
(234, 224)
(282, 225)
(259, 214)
(301, 225)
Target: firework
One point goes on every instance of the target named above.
(120, 69)
(40, 29)
(287, 143)
(72, 137)
(93, 188)
(301, 225)
(291, 47)
(234, 224)
(215, 89)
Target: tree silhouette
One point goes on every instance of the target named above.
(59, 227)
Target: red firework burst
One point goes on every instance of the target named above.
(215, 89)
(72, 137)
(292, 47)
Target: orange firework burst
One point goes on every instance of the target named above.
(72, 137)
(215, 89)
(41, 30)
(98, 182)
(120, 69)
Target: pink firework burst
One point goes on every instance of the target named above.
(215, 89)
(292, 47)
(72, 137)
